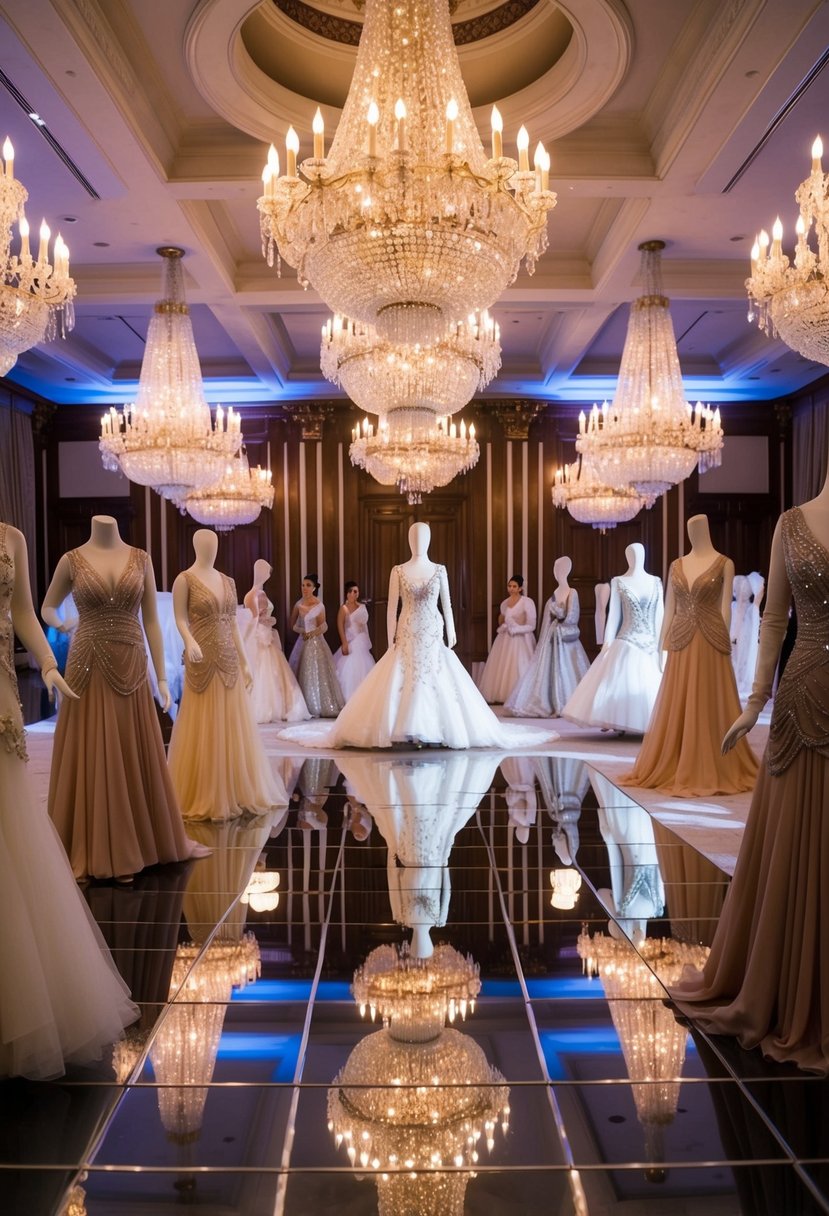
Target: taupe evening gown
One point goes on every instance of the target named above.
(110, 794)
(766, 979)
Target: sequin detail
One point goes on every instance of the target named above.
(12, 734)
(638, 626)
(211, 624)
(698, 607)
(108, 637)
(313, 665)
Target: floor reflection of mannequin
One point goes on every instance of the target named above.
(564, 782)
(637, 894)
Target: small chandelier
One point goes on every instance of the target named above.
(406, 224)
(442, 376)
(589, 501)
(235, 499)
(261, 893)
(416, 995)
(415, 450)
(566, 884)
(167, 439)
(792, 299)
(35, 295)
(650, 437)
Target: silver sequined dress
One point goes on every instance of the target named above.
(313, 665)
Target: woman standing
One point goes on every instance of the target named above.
(311, 660)
(353, 661)
(514, 644)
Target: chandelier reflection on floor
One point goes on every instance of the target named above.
(792, 298)
(415, 450)
(167, 439)
(236, 499)
(406, 224)
(650, 437)
(590, 501)
(416, 995)
(35, 295)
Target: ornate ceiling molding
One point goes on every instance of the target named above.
(516, 416)
(342, 30)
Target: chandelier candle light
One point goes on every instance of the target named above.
(650, 437)
(415, 450)
(590, 501)
(236, 498)
(35, 294)
(167, 439)
(406, 225)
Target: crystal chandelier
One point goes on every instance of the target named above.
(35, 295)
(442, 376)
(650, 437)
(792, 299)
(237, 498)
(261, 893)
(406, 225)
(566, 884)
(167, 438)
(415, 450)
(589, 501)
(416, 995)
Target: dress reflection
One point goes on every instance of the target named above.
(637, 893)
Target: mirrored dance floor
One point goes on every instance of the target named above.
(293, 1056)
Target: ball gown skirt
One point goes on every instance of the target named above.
(313, 665)
(511, 653)
(557, 666)
(275, 696)
(352, 668)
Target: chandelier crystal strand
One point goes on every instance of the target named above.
(167, 439)
(792, 298)
(406, 224)
(415, 450)
(650, 437)
(416, 995)
(36, 295)
(590, 501)
(236, 499)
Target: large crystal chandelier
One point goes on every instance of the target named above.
(792, 299)
(590, 501)
(380, 376)
(650, 437)
(416, 995)
(235, 499)
(167, 439)
(35, 295)
(406, 224)
(415, 450)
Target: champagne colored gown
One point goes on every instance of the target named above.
(681, 752)
(217, 761)
(61, 998)
(110, 794)
(766, 978)
(275, 696)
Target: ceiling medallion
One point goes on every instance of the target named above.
(347, 33)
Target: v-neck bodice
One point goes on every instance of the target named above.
(698, 607)
(108, 637)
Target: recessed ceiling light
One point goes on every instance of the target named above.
(741, 236)
(69, 219)
(101, 244)
(70, 72)
(751, 73)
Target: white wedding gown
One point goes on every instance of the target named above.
(419, 692)
(352, 668)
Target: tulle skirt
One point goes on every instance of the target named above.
(275, 696)
(619, 691)
(508, 659)
(352, 668)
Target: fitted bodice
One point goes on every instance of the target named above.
(698, 607)
(801, 707)
(420, 627)
(211, 624)
(108, 638)
(356, 622)
(522, 612)
(639, 613)
(308, 622)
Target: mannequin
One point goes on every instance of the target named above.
(512, 650)
(746, 630)
(276, 696)
(559, 661)
(114, 819)
(620, 689)
(419, 569)
(602, 594)
(217, 762)
(698, 697)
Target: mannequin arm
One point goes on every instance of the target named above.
(727, 591)
(446, 608)
(341, 628)
(660, 610)
(614, 615)
(247, 674)
(667, 615)
(391, 610)
(25, 622)
(181, 596)
(149, 614)
(571, 616)
(558, 611)
(772, 632)
(59, 588)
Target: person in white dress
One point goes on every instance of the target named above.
(311, 660)
(619, 690)
(514, 644)
(419, 692)
(276, 695)
(745, 632)
(354, 660)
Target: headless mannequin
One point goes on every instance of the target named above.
(640, 584)
(253, 601)
(206, 546)
(108, 555)
(25, 622)
(561, 570)
(419, 569)
(695, 563)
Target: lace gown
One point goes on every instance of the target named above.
(557, 666)
(275, 696)
(766, 979)
(217, 761)
(313, 664)
(511, 652)
(621, 687)
(352, 668)
(110, 794)
(697, 702)
(61, 998)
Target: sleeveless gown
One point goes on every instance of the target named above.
(620, 689)
(511, 653)
(110, 794)
(61, 998)
(275, 696)
(697, 702)
(217, 761)
(313, 664)
(352, 668)
(557, 666)
(766, 980)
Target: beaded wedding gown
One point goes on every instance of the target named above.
(352, 668)
(556, 667)
(275, 696)
(61, 998)
(511, 652)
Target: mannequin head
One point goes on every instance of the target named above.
(310, 585)
(635, 555)
(104, 531)
(262, 571)
(515, 586)
(419, 536)
(351, 593)
(561, 569)
(106, 521)
(205, 546)
(698, 532)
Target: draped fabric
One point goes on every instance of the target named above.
(17, 473)
(810, 441)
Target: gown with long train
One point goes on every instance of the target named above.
(697, 702)
(110, 794)
(419, 692)
(217, 761)
(352, 668)
(275, 696)
(556, 667)
(313, 665)
(61, 998)
(511, 652)
(620, 689)
(766, 978)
